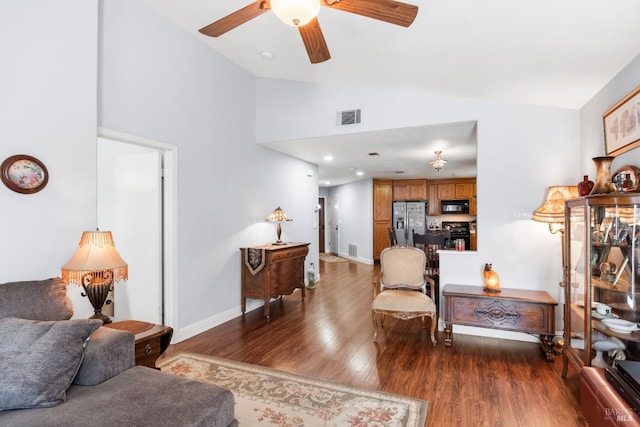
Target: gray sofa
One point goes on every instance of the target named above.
(61, 372)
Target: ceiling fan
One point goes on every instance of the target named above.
(302, 14)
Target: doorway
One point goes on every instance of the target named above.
(321, 227)
(334, 226)
(137, 200)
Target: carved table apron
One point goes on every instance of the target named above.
(516, 310)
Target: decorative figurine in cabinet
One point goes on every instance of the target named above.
(601, 280)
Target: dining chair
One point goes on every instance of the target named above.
(432, 237)
(393, 239)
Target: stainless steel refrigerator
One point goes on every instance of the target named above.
(409, 217)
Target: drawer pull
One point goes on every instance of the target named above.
(147, 349)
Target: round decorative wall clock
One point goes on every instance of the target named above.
(24, 174)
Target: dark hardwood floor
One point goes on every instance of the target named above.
(477, 382)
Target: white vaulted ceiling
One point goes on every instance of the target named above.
(557, 53)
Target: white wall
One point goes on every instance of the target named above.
(163, 84)
(521, 151)
(356, 206)
(156, 82)
(48, 110)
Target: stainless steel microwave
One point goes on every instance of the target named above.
(454, 206)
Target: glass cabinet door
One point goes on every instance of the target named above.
(576, 291)
(602, 284)
(613, 283)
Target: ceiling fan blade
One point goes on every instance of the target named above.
(235, 19)
(391, 11)
(314, 41)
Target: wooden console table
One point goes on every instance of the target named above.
(270, 271)
(516, 310)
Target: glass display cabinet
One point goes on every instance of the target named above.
(601, 280)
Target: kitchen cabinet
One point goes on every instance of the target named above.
(382, 215)
(409, 189)
(602, 254)
(433, 207)
(473, 209)
(464, 191)
(446, 191)
(451, 189)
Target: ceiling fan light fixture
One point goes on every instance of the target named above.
(296, 13)
(438, 162)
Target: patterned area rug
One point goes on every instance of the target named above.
(266, 397)
(331, 258)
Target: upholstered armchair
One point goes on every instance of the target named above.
(403, 267)
(399, 289)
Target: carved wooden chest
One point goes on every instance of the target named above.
(516, 310)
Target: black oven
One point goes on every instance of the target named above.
(459, 230)
(454, 207)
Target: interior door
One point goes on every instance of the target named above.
(321, 226)
(137, 205)
(334, 225)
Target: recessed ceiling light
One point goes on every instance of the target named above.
(267, 55)
(328, 157)
(359, 173)
(374, 154)
(327, 182)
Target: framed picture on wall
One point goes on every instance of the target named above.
(24, 174)
(622, 125)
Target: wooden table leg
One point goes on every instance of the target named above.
(448, 334)
(547, 346)
(565, 364)
(267, 307)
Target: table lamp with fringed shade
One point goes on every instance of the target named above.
(96, 265)
(278, 216)
(552, 210)
(552, 213)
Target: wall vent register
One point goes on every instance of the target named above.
(348, 117)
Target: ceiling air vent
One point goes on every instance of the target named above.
(348, 117)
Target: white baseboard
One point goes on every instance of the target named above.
(197, 328)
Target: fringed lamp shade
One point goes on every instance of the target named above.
(278, 216)
(96, 251)
(552, 210)
(95, 266)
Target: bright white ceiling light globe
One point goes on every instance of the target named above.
(296, 12)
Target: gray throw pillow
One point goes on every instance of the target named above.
(39, 359)
(36, 299)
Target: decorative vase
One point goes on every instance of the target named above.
(585, 187)
(603, 182)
